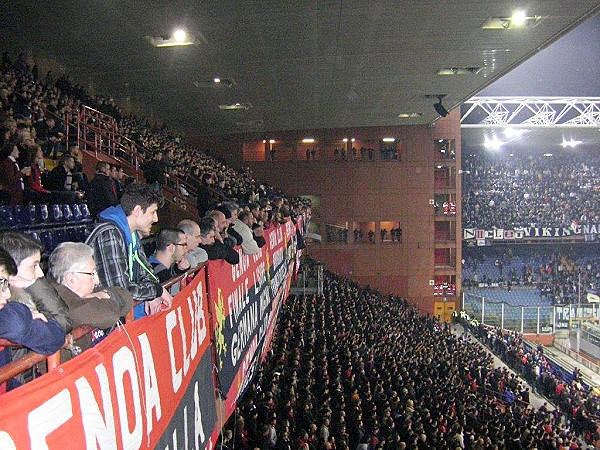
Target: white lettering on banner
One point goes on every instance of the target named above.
(175, 446)
(199, 319)
(479, 234)
(245, 329)
(498, 233)
(99, 432)
(259, 276)
(150, 383)
(198, 428)
(509, 234)
(186, 440)
(238, 270)
(275, 238)
(257, 256)
(186, 356)
(237, 301)
(590, 229)
(123, 362)
(469, 233)
(47, 417)
(176, 375)
(6, 442)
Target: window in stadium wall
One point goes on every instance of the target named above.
(445, 286)
(362, 233)
(445, 204)
(390, 150)
(445, 177)
(445, 149)
(390, 232)
(337, 232)
(445, 257)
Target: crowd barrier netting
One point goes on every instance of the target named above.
(151, 383)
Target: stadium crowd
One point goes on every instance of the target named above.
(566, 273)
(576, 401)
(355, 370)
(96, 283)
(530, 189)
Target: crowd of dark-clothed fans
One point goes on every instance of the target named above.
(565, 274)
(356, 370)
(530, 188)
(31, 109)
(577, 402)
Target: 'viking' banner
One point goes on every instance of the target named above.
(244, 301)
(148, 385)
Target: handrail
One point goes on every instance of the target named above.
(115, 142)
(29, 360)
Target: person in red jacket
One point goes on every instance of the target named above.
(11, 177)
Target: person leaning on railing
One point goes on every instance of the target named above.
(73, 272)
(19, 324)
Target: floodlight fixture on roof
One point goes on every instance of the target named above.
(519, 19)
(178, 38)
(236, 106)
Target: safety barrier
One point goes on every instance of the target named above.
(153, 383)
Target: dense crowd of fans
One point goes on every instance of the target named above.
(355, 370)
(577, 402)
(530, 189)
(569, 273)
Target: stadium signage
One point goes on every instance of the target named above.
(145, 386)
(499, 234)
(152, 383)
(245, 301)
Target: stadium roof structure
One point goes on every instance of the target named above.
(532, 122)
(300, 65)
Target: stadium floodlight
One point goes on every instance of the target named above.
(493, 144)
(571, 143)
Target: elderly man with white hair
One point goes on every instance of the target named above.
(73, 269)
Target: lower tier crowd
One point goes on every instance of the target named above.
(353, 369)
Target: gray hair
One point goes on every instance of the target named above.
(68, 257)
(188, 226)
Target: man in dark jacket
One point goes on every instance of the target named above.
(103, 192)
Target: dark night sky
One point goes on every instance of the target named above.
(568, 67)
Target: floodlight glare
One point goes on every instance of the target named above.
(179, 35)
(518, 18)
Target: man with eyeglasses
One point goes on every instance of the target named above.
(19, 324)
(191, 231)
(73, 270)
(168, 259)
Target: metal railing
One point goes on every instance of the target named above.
(31, 359)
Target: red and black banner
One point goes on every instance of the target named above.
(245, 300)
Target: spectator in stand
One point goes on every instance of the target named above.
(50, 136)
(155, 171)
(12, 177)
(29, 286)
(73, 270)
(118, 174)
(230, 210)
(193, 237)
(168, 259)
(120, 256)
(61, 177)
(252, 240)
(19, 324)
(207, 197)
(103, 192)
(222, 247)
(80, 179)
(34, 191)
